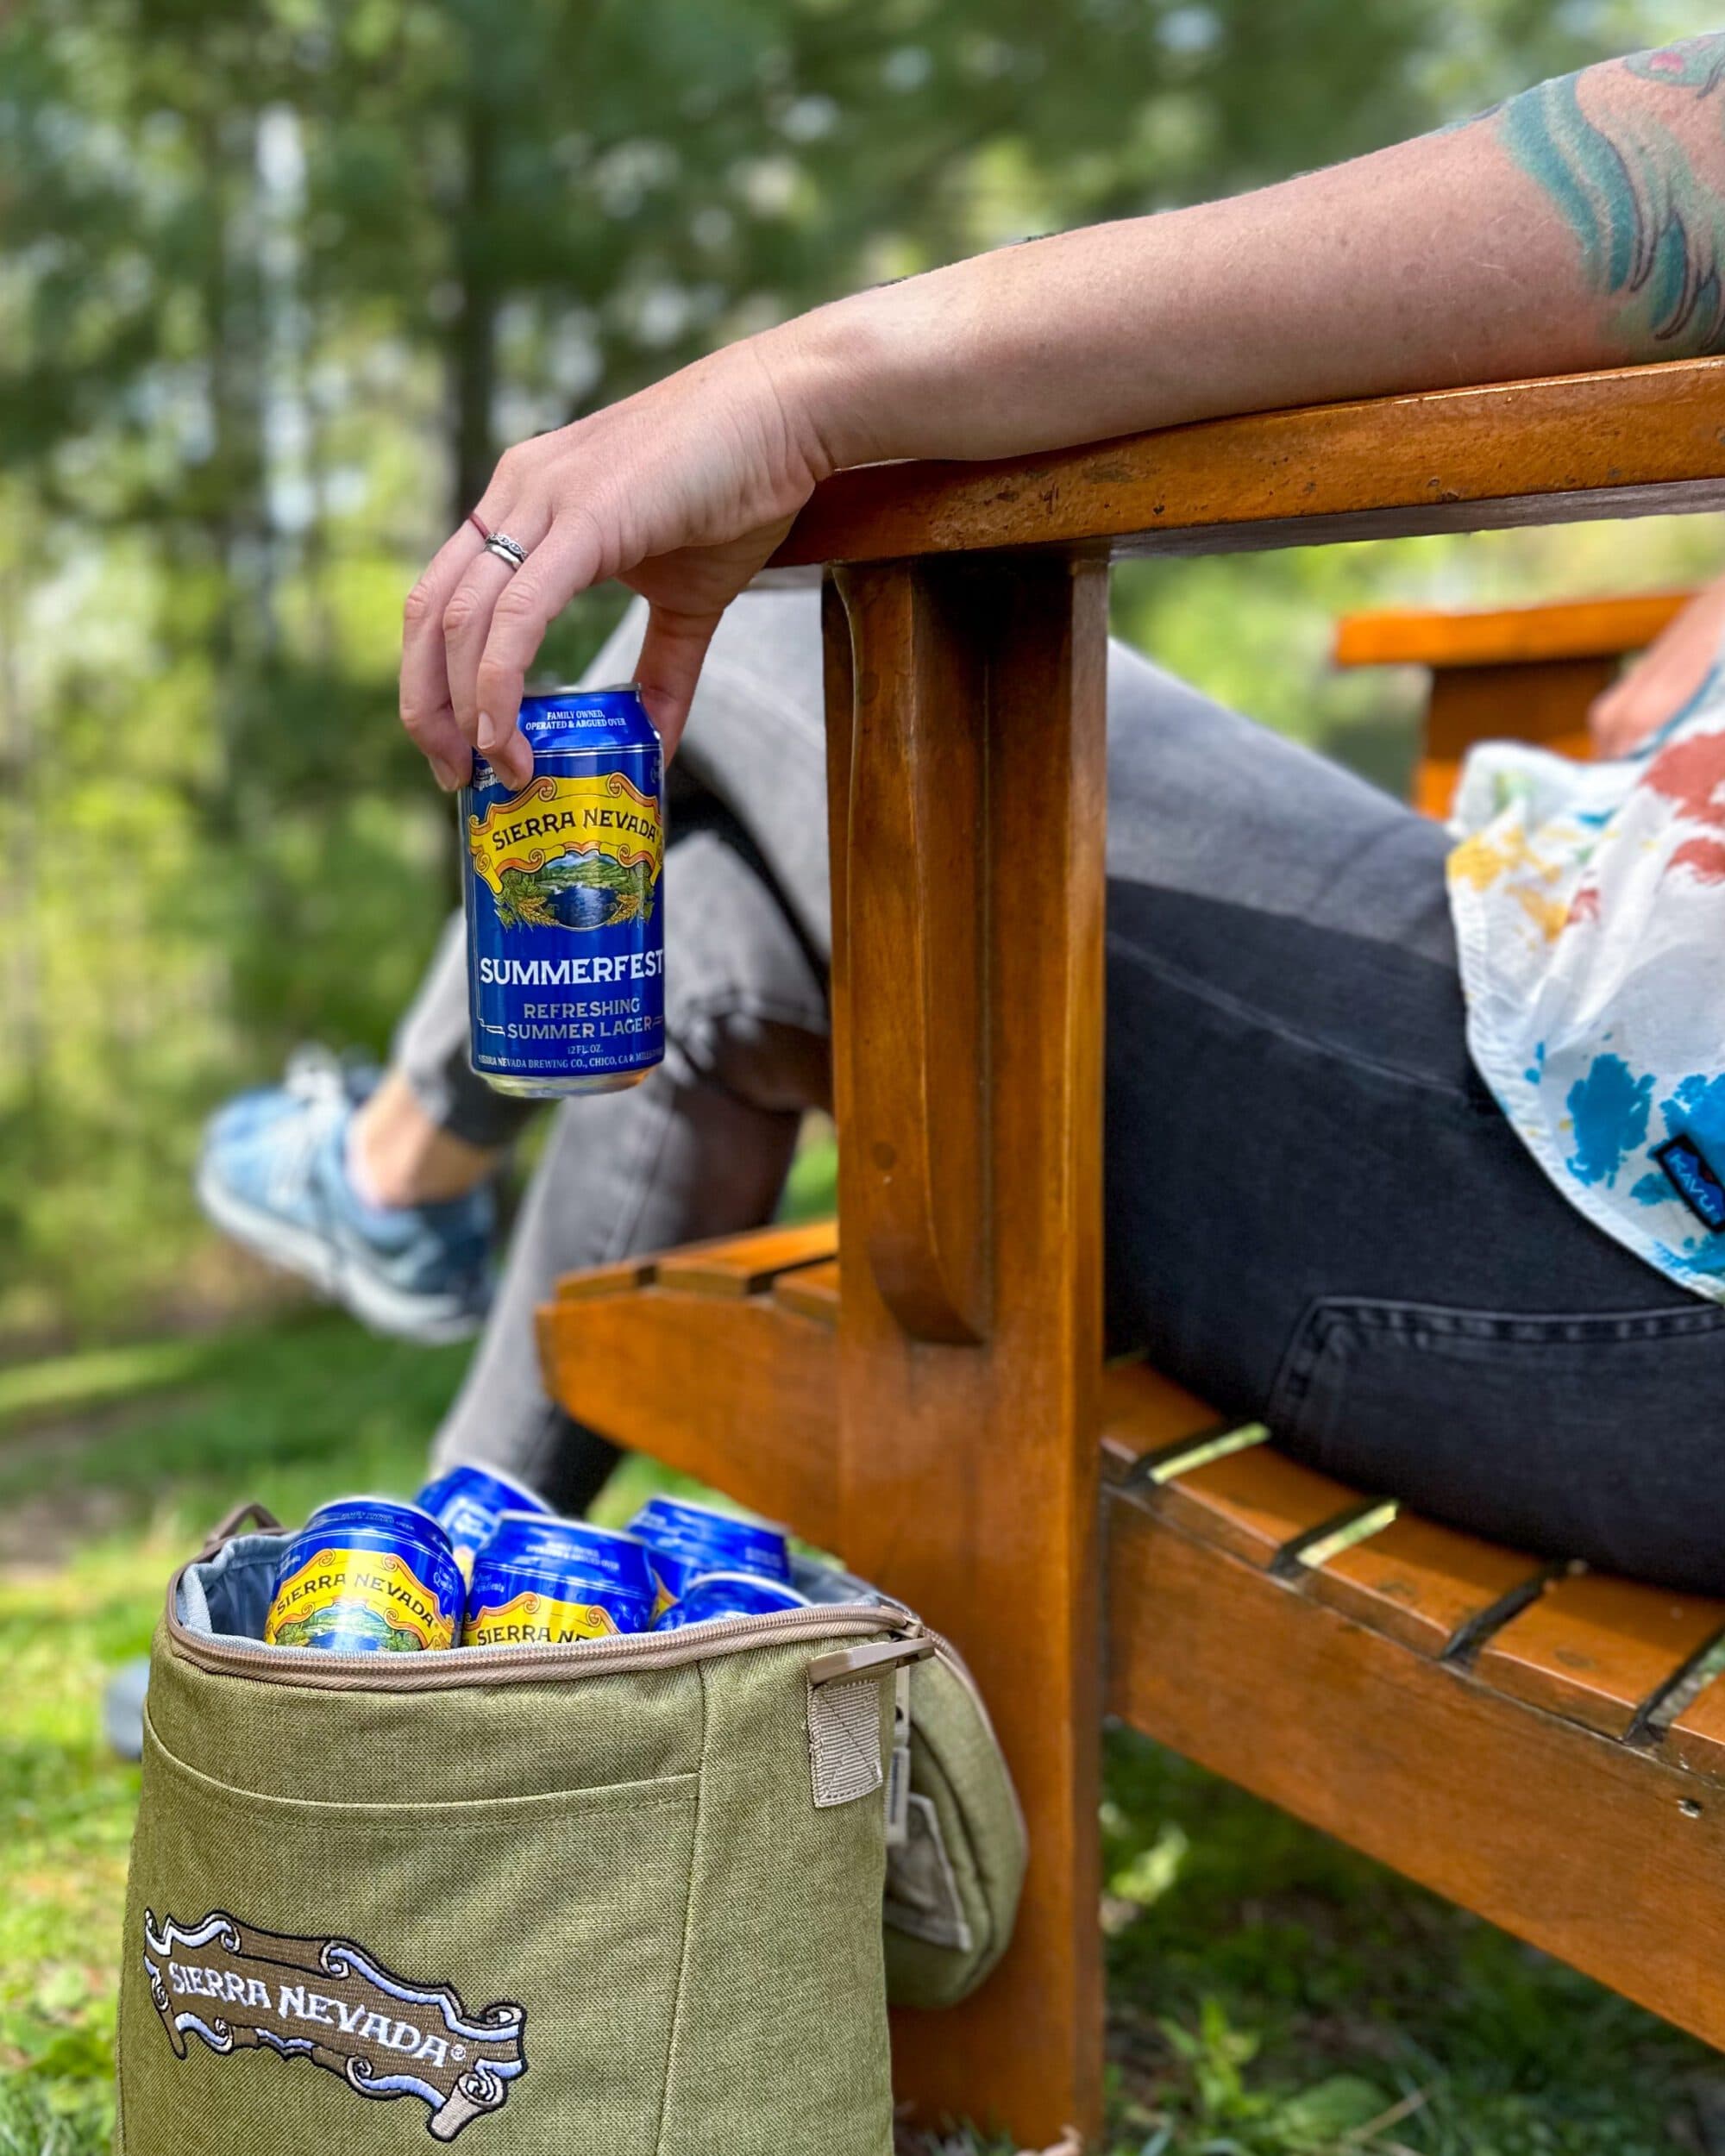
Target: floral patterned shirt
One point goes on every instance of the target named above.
(1589, 902)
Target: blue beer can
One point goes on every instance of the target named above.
(366, 1575)
(686, 1540)
(468, 1501)
(565, 930)
(540, 1579)
(729, 1595)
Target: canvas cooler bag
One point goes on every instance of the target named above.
(621, 1896)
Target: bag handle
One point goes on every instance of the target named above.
(226, 1527)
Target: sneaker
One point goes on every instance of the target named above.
(272, 1175)
(122, 1708)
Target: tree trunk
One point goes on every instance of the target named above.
(473, 352)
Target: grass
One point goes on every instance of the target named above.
(1273, 1994)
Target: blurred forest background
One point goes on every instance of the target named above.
(280, 277)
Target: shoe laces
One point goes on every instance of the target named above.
(317, 1080)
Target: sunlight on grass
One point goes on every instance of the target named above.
(91, 1377)
(1271, 1994)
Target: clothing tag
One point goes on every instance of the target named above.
(1688, 1175)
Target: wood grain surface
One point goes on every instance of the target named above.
(915, 938)
(1621, 441)
(1506, 635)
(740, 1393)
(743, 1264)
(970, 1471)
(1608, 1857)
(1596, 1650)
(1424, 1584)
(1255, 1503)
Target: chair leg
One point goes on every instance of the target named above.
(967, 893)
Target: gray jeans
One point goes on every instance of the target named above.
(1315, 1212)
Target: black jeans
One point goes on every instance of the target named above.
(1317, 1213)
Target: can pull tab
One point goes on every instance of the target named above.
(226, 1528)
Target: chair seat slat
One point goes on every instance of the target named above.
(744, 1264)
(1597, 1650)
(810, 1290)
(1423, 1583)
(1142, 1412)
(1255, 1504)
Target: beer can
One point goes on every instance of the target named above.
(729, 1595)
(566, 930)
(468, 1501)
(555, 1579)
(685, 1541)
(366, 1575)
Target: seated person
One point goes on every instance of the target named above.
(1415, 1155)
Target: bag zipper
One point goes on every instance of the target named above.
(311, 1669)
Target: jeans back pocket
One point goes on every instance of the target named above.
(1572, 1435)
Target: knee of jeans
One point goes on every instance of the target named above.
(774, 1059)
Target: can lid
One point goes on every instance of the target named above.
(418, 1520)
(496, 1475)
(551, 1525)
(373, 1497)
(792, 1597)
(579, 688)
(588, 1580)
(662, 1507)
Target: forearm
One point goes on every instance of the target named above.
(1579, 226)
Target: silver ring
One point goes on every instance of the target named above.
(505, 550)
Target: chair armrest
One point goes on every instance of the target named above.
(1622, 441)
(1514, 636)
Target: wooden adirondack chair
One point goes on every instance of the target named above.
(926, 1394)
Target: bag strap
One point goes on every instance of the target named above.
(226, 1527)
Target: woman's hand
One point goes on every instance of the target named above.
(681, 493)
(1663, 680)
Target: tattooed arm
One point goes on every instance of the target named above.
(1579, 225)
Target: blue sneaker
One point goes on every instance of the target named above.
(272, 1175)
(122, 1708)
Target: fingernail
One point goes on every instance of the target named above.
(490, 733)
(450, 775)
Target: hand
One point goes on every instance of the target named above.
(681, 493)
(1663, 677)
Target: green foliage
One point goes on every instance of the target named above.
(282, 274)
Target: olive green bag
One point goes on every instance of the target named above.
(622, 1898)
(956, 1843)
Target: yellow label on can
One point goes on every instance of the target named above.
(598, 828)
(533, 1616)
(358, 1589)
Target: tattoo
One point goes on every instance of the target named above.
(1651, 229)
(1697, 63)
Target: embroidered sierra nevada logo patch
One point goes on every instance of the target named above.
(327, 2001)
